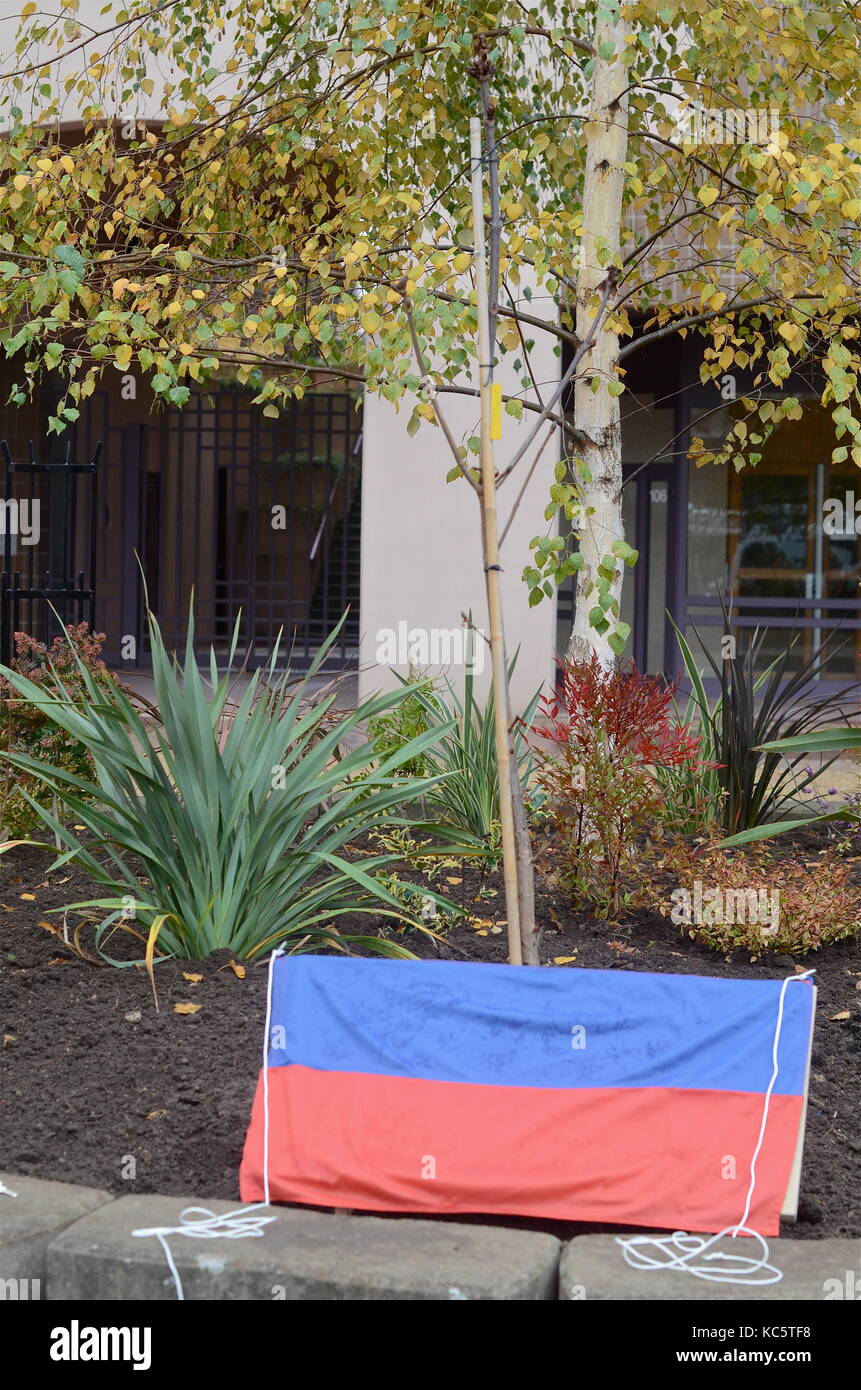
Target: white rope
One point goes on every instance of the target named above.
(203, 1224)
(693, 1254)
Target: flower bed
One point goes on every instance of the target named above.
(98, 1088)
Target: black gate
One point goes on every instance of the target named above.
(259, 518)
(48, 541)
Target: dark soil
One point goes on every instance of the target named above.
(96, 1085)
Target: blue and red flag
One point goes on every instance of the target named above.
(584, 1095)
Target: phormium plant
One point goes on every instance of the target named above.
(223, 833)
(757, 782)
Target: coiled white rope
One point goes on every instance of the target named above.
(203, 1224)
(695, 1254)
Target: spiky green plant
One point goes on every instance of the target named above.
(462, 754)
(227, 828)
(754, 709)
(822, 741)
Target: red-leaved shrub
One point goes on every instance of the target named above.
(607, 731)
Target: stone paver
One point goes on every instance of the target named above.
(30, 1220)
(302, 1255)
(594, 1267)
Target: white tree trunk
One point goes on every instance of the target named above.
(597, 415)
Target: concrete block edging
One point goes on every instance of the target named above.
(63, 1242)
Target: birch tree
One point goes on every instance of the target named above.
(281, 190)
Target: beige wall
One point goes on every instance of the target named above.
(421, 539)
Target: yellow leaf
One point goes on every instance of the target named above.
(20, 181)
(238, 970)
(187, 1008)
(28, 9)
(123, 355)
(564, 960)
(707, 195)
(192, 979)
(68, 164)
(371, 321)
(15, 201)
(29, 897)
(108, 229)
(841, 1017)
(46, 165)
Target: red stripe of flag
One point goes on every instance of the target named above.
(635, 1157)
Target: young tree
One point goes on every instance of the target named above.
(296, 206)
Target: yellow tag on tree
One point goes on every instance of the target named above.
(496, 410)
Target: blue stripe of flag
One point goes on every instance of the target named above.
(497, 1025)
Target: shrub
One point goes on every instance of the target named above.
(609, 732)
(757, 903)
(223, 835)
(26, 728)
(390, 731)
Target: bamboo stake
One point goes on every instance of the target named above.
(491, 559)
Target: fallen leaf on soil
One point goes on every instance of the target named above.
(238, 970)
(454, 880)
(6, 909)
(192, 979)
(29, 897)
(187, 1008)
(59, 960)
(7, 1039)
(841, 1017)
(157, 1115)
(563, 960)
(133, 1017)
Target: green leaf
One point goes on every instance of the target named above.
(70, 256)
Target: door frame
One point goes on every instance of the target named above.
(665, 473)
